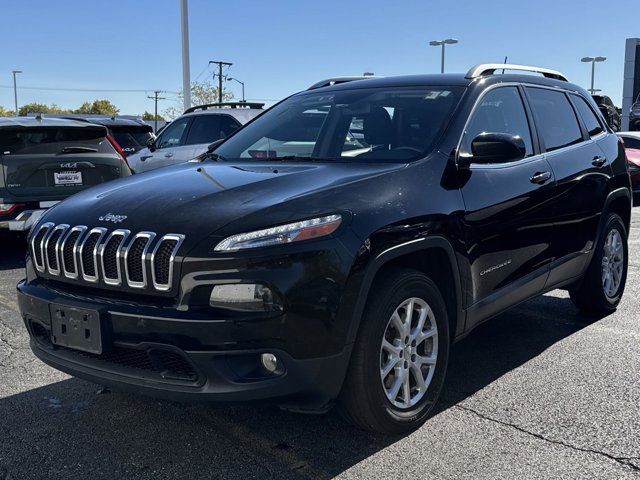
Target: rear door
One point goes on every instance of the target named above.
(506, 219)
(582, 172)
(55, 162)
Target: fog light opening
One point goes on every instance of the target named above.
(270, 362)
(244, 297)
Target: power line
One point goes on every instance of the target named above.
(66, 89)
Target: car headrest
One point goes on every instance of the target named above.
(377, 127)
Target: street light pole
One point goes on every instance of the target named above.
(15, 89)
(241, 83)
(593, 61)
(186, 72)
(442, 43)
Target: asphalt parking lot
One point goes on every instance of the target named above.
(538, 392)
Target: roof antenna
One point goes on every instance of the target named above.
(505, 62)
(38, 116)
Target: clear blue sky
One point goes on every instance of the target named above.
(280, 47)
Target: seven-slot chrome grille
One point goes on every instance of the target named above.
(96, 255)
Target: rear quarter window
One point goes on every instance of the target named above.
(589, 118)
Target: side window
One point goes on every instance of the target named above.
(631, 142)
(204, 129)
(173, 134)
(500, 111)
(589, 118)
(556, 120)
(228, 125)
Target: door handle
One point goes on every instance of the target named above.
(598, 161)
(146, 157)
(540, 177)
(168, 155)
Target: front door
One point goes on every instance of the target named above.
(507, 220)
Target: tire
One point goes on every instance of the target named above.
(364, 399)
(591, 296)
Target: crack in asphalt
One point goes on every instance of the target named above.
(624, 461)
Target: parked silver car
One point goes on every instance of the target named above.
(190, 134)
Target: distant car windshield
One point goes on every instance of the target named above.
(366, 124)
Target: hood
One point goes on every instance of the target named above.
(197, 199)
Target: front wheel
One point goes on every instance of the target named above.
(400, 357)
(601, 289)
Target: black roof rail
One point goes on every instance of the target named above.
(206, 106)
(337, 80)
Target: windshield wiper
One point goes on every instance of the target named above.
(77, 150)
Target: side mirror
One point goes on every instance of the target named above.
(497, 148)
(151, 144)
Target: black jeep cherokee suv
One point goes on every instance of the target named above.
(332, 249)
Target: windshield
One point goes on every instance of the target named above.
(375, 124)
(131, 139)
(52, 140)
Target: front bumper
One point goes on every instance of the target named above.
(159, 352)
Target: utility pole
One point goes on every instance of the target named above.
(155, 98)
(15, 89)
(220, 65)
(186, 69)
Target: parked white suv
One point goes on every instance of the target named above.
(190, 134)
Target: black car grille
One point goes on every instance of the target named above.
(135, 260)
(68, 263)
(165, 363)
(162, 260)
(113, 258)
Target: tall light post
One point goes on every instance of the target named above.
(15, 89)
(186, 69)
(241, 83)
(593, 61)
(438, 43)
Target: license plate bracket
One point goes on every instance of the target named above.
(77, 328)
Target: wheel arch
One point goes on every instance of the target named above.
(433, 256)
(618, 201)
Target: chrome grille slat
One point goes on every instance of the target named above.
(134, 283)
(98, 256)
(171, 237)
(98, 233)
(37, 245)
(73, 245)
(104, 253)
(52, 248)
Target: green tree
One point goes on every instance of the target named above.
(5, 113)
(41, 108)
(201, 94)
(100, 107)
(150, 116)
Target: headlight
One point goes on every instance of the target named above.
(291, 232)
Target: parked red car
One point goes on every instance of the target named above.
(632, 148)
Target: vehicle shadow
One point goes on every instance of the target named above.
(13, 247)
(67, 429)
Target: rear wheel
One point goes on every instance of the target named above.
(601, 289)
(400, 358)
